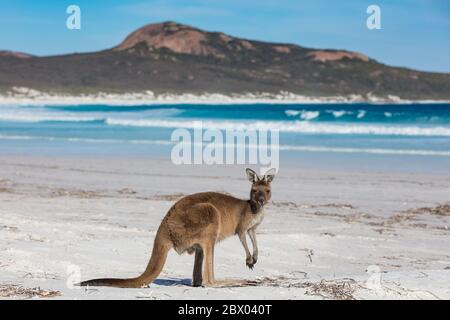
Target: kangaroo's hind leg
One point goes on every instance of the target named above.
(209, 264)
(200, 225)
(204, 222)
(197, 276)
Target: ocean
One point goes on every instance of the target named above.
(417, 133)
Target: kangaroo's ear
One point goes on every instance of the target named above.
(270, 174)
(251, 175)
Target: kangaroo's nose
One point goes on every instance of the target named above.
(261, 198)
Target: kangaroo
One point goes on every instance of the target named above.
(195, 223)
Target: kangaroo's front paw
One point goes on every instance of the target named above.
(250, 262)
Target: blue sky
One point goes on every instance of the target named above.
(414, 34)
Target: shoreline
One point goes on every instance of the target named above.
(27, 96)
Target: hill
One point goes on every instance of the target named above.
(175, 58)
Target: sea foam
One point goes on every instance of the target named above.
(288, 126)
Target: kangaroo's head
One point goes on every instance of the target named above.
(260, 192)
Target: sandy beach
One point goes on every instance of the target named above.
(28, 96)
(333, 234)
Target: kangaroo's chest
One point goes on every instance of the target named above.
(256, 219)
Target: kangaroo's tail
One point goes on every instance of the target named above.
(161, 247)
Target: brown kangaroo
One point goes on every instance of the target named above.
(195, 224)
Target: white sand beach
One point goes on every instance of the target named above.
(29, 97)
(333, 234)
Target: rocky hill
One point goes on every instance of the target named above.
(174, 58)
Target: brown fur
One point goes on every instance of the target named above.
(194, 224)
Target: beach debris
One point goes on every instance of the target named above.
(440, 210)
(328, 234)
(16, 291)
(339, 289)
(309, 253)
(437, 216)
(9, 228)
(338, 205)
(86, 194)
(166, 197)
(357, 217)
(126, 191)
(291, 204)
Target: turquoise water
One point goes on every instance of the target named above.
(345, 130)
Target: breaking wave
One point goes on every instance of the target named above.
(17, 117)
(303, 114)
(288, 126)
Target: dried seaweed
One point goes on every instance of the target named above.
(440, 210)
(341, 289)
(338, 289)
(15, 291)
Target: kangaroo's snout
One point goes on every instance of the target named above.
(260, 198)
